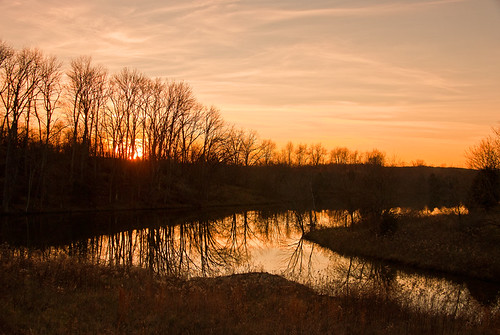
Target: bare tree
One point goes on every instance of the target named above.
(126, 91)
(152, 108)
(21, 77)
(375, 157)
(249, 147)
(213, 135)
(289, 153)
(50, 90)
(485, 157)
(191, 128)
(486, 154)
(179, 101)
(87, 94)
(339, 155)
(317, 154)
(268, 152)
(50, 87)
(20, 73)
(418, 162)
(6, 52)
(233, 146)
(301, 154)
(355, 157)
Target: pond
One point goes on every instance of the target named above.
(192, 244)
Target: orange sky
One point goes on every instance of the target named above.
(416, 79)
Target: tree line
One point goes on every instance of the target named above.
(87, 113)
(130, 116)
(82, 133)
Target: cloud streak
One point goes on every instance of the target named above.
(388, 64)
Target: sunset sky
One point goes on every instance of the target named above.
(416, 79)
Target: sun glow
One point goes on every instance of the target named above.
(125, 151)
(138, 154)
(404, 80)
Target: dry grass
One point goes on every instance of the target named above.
(466, 246)
(64, 296)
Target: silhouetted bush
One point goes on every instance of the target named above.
(388, 224)
(484, 192)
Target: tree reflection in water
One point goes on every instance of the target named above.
(415, 290)
(207, 245)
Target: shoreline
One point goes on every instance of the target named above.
(173, 208)
(60, 296)
(441, 243)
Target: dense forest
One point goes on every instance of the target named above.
(82, 138)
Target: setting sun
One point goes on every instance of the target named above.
(138, 154)
(250, 167)
(415, 79)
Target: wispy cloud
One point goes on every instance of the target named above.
(362, 10)
(345, 65)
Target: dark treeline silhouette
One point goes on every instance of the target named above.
(82, 138)
(485, 157)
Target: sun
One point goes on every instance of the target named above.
(138, 154)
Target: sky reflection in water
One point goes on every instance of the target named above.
(270, 241)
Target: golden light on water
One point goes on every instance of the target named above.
(250, 241)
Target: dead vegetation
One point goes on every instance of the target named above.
(465, 245)
(65, 296)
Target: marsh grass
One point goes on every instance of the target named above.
(67, 296)
(464, 245)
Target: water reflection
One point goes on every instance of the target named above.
(210, 244)
(410, 289)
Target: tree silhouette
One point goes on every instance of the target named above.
(485, 157)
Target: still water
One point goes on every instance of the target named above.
(223, 243)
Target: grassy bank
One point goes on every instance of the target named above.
(62, 296)
(467, 245)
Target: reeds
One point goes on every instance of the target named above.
(67, 296)
(464, 245)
